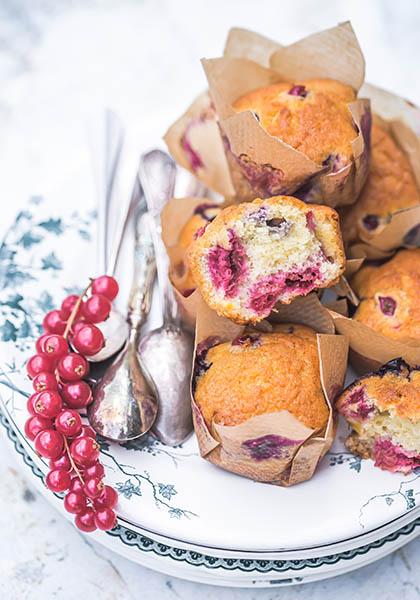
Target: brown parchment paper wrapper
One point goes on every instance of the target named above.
(252, 154)
(194, 142)
(401, 120)
(174, 216)
(225, 446)
(369, 349)
(343, 287)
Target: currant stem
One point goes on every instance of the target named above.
(73, 464)
(75, 310)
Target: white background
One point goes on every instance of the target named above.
(60, 63)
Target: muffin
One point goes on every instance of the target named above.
(390, 187)
(203, 214)
(256, 254)
(262, 373)
(389, 297)
(383, 410)
(312, 116)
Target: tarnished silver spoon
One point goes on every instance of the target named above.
(125, 401)
(167, 351)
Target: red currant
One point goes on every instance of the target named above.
(54, 322)
(63, 462)
(49, 443)
(68, 304)
(30, 404)
(105, 519)
(105, 285)
(40, 341)
(87, 431)
(77, 394)
(94, 486)
(39, 363)
(54, 345)
(36, 424)
(48, 404)
(68, 422)
(84, 451)
(76, 485)
(108, 498)
(89, 340)
(75, 502)
(58, 480)
(44, 381)
(96, 308)
(96, 470)
(77, 325)
(73, 367)
(86, 521)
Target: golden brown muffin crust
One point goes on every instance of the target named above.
(390, 299)
(318, 124)
(276, 371)
(390, 185)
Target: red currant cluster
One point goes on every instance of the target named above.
(55, 426)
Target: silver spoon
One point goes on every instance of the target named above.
(167, 351)
(106, 156)
(125, 400)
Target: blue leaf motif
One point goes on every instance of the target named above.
(128, 489)
(25, 329)
(14, 277)
(175, 513)
(45, 302)
(52, 225)
(51, 262)
(410, 499)
(167, 491)
(28, 239)
(389, 500)
(14, 302)
(8, 331)
(85, 235)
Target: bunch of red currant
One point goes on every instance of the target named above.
(55, 426)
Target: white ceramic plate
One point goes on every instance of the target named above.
(173, 493)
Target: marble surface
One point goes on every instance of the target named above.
(62, 61)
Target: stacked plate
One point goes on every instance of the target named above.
(177, 513)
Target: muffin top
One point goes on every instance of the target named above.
(202, 216)
(389, 294)
(260, 373)
(390, 187)
(312, 116)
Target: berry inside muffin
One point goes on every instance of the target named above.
(389, 297)
(254, 255)
(260, 373)
(383, 410)
(312, 116)
(203, 215)
(390, 187)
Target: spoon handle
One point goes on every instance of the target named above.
(143, 275)
(158, 172)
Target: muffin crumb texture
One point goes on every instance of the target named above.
(256, 254)
(383, 410)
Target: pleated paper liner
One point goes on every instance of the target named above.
(370, 349)
(224, 445)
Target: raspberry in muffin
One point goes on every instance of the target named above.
(389, 297)
(390, 187)
(203, 214)
(312, 116)
(259, 373)
(256, 254)
(383, 410)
